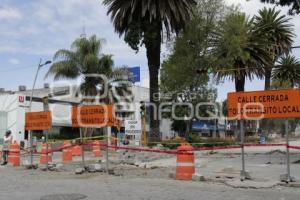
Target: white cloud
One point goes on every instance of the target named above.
(9, 13)
(14, 61)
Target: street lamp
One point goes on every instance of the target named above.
(30, 105)
(36, 75)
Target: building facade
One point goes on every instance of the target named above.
(14, 105)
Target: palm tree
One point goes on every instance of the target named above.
(143, 22)
(84, 58)
(239, 52)
(294, 5)
(277, 30)
(288, 69)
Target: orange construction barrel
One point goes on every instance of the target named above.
(14, 154)
(185, 162)
(97, 149)
(76, 150)
(43, 157)
(67, 152)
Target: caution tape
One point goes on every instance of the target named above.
(294, 147)
(264, 145)
(214, 148)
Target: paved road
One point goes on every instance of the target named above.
(32, 185)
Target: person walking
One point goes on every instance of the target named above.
(6, 143)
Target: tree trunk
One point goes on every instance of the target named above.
(153, 47)
(240, 83)
(268, 74)
(239, 87)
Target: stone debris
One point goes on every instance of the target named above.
(79, 171)
(198, 177)
(98, 168)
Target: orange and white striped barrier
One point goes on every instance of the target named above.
(67, 152)
(76, 150)
(97, 149)
(14, 154)
(185, 162)
(43, 156)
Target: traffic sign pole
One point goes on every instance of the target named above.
(82, 148)
(243, 148)
(288, 167)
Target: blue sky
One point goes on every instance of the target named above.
(36, 29)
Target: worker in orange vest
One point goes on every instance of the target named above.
(7, 141)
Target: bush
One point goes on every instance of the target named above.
(197, 141)
(173, 144)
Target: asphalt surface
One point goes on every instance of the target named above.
(16, 184)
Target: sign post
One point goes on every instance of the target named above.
(244, 173)
(270, 104)
(94, 116)
(82, 148)
(39, 121)
(288, 178)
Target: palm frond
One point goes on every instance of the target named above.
(63, 70)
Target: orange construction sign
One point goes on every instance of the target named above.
(38, 121)
(93, 116)
(264, 104)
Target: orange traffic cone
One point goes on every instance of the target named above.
(97, 149)
(14, 154)
(43, 157)
(67, 152)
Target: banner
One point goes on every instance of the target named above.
(38, 121)
(264, 104)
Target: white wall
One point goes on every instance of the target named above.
(10, 105)
(61, 114)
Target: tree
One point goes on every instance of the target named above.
(240, 52)
(293, 4)
(287, 69)
(82, 59)
(279, 33)
(143, 22)
(190, 52)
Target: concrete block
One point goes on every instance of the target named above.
(98, 168)
(172, 175)
(245, 175)
(91, 169)
(228, 169)
(79, 171)
(198, 177)
(284, 178)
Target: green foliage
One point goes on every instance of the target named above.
(239, 50)
(211, 142)
(191, 52)
(270, 24)
(293, 4)
(278, 31)
(83, 58)
(135, 18)
(287, 71)
(280, 84)
(145, 22)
